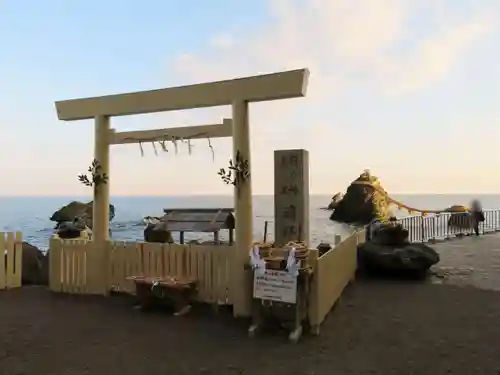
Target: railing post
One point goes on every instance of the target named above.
(422, 226)
(434, 229)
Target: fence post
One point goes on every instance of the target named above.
(55, 250)
(338, 239)
(434, 229)
(422, 226)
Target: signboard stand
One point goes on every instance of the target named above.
(278, 294)
(280, 298)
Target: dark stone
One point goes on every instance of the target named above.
(390, 234)
(157, 233)
(408, 260)
(69, 230)
(323, 248)
(335, 201)
(362, 203)
(80, 210)
(35, 266)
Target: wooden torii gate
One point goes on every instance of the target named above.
(235, 92)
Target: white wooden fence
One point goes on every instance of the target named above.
(11, 251)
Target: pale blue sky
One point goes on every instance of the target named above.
(409, 89)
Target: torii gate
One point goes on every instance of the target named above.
(235, 92)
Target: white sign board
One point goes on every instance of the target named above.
(275, 286)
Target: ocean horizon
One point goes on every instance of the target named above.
(30, 214)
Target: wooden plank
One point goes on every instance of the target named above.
(3, 270)
(112, 264)
(115, 263)
(192, 263)
(335, 269)
(211, 298)
(18, 261)
(146, 259)
(10, 242)
(158, 256)
(131, 265)
(166, 258)
(167, 134)
(66, 254)
(54, 264)
(172, 262)
(83, 268)
(180, 261)
(79, 264)
(200, 271)
(230, 252)
(218, 263)
(275, 86)
(313, 307)
(74, 246)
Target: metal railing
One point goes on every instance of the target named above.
(447, 225)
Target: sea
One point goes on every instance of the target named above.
(30, 215)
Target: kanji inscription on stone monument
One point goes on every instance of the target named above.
(291, 196)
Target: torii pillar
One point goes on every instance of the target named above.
(100, 211)
(243, 209)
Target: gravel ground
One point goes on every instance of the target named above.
(381, 327)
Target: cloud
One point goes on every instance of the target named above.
(390, 47)
(346, 42)
(353, 48)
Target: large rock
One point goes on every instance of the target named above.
(390, 234)
(75, 229)
(79, 210)
(362, 203)
(157, 233)
(35, 266)
(408, 260)
(335, 201)
(388, 252)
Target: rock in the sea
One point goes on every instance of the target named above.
(74, 229)
(362, 203)
(157, 233)
(335, 201)
(35, 266)
(80, 210)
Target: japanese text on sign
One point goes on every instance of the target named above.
(275, 286)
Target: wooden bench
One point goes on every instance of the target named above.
(151, 290)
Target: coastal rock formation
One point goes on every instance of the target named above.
(157, 233)
(81, 211)
(362, 203)
(335, 201)
(35, 266)
(75, 229)
(389, 252)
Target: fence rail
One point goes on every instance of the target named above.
(447, 225)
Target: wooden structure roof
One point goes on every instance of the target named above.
(198, 219)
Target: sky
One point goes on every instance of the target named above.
(407, 88)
